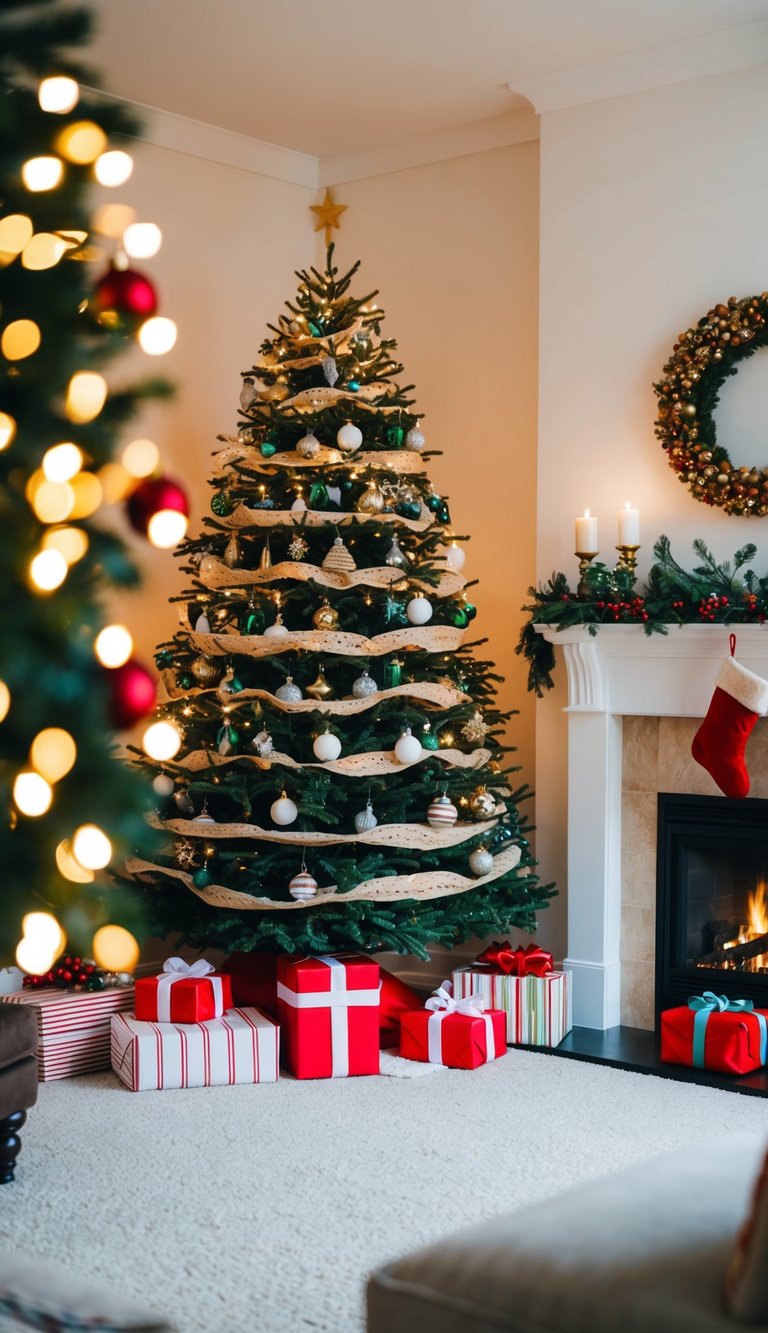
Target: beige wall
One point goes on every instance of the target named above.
(653, 209)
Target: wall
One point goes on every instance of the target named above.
(652, 209)
(452, 248)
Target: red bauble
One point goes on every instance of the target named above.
(123, 299)
(132, 692)
(150, 497)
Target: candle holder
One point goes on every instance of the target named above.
(585, 558)
(627, 558)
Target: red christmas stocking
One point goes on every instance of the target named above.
(740, 697)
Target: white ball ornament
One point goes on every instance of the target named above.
(303, 886)
(366, 820)
(455, 557)
(408, 749)
(284, 810)
(415, 440)
(349, 438)
(299, 506)
(202, 624)
(162, 785)
(327, 746)
(419, 610)
(276, 631)
(480, 862)
(442, 813)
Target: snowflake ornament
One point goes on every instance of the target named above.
(298, 548)
(185, 855)
(475, 729)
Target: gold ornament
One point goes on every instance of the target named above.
(231, 556)
(205, 671)
(371, 501)
(327, 215)
(298, 548)
(482, 803)
(339, 560)
(325, 617)
(265, 561)
(319, 689)
(475, 729)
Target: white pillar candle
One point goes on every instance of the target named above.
(586, 534)
(629, 526)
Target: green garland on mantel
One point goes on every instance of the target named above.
(710, 593)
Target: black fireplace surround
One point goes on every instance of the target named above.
(712, 853)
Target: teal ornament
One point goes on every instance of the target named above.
(444, 514)
(314, 328)
(353, 385)
(434, 502)
(266, 503)
(429, 740)
(318, 495)
(393, 674)
(227, 736)
(347, 485)
(221, 504)
(202, 878)
(394, 612)
(408, 509)
(470, 610)
(252, 621)
(184, 680)
(267, 449)
(164, 659)
(395, 436)
(459, 618)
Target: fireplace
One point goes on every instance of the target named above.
(712, 899)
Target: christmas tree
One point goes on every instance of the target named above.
(340, 778)
(66, 803)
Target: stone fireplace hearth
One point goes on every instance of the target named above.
(635, 703)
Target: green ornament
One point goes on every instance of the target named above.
(408, 509)
(459, 618)
(252, 621)
(314, 329)
(444, 514)
(434, 502)
(221, 504)
(318, 495)
(394, 612)
(393, 673)
(395, 436)
(267, 449)
(471, 610)
(94, 983)
(202, 878)
(184, 680)
(353, 385)
(430, 741)
(164, 659)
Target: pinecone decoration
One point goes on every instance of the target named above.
(339, 560)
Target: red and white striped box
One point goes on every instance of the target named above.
(538, 1009)
(243, 1046)
(73, 1027)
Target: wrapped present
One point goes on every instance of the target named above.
(535, 998)
(183, 993)
(396, 997)
(329, 1013)
(254, 980)
(460, 1033)
(243, 1046)
(73, 1027)
(713, 1032)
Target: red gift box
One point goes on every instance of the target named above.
(183, 993)
(456, 1033)
(329, 1015)
(396, 998)
(713, 1032)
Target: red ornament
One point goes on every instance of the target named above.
(132, 692)
(123, 299)
(150, 497)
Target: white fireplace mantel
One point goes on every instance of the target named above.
(620, 672)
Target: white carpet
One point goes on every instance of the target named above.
(262, 1209)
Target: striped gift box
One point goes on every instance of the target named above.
(73, 1027)
(538, 1009)
(243, 1046)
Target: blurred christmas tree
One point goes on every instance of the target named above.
(334, 772)
(67, 805)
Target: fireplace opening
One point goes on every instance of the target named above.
(711, 899)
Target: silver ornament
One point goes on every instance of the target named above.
(184, 804)
(414, 440)
(366, 820)
(329, 370)
(395, 556)
(363, 686)
(308, 446)
(288, 693)
(480, 862)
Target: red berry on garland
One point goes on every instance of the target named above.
(132, 691)
(123, 299)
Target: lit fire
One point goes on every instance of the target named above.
(756, 925)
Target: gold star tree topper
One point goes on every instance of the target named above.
(327, 215)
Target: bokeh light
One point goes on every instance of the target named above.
(86, 395)
(115, 949)
(142, 240)
(140, 458)
(91, 847)
(20, 339)
(166, 528)
(161, 741)
(58, 94)
(48, 570)
(16, 231)
(42, 173)
(32, 794)
(53, 753)
(62, 461)
(113, 645)
(71, 542)
(113, 220)
(54, 501)
(43, 251)
(81, 142)
(113, 168)
(5, 700)
(69, 867)
(157, 335)
(7, 430)
(88, 494)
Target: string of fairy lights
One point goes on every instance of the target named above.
(64, 490)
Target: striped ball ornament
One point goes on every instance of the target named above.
(303, 886)
(442, 813)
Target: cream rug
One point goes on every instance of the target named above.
(262, 1209)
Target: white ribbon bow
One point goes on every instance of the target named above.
(176, 969)
(442, 1004)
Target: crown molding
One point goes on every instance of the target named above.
(479, 136)
(638, 71)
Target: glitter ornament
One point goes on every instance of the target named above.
(363, 686)
(442, 813)
(329, 370)
(419, 610)
(298, 548)
(339, 560)
(395, 556)
(414, 440)
(162, 785)
(366, 820)
(221, 504)
(482, 803)
(231, 556)
(408, 749)
(326, 747)
(288, 693)
(308, 446)
(371, 501)
(276, 631)
(283, 811)
(325, 618)
(320, 689)
(184, 855)
(475, 729)
(303, 886)
(205, 671)
(429, 738)
(349, 438)
(480, 862)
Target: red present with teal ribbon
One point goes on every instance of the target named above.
(713, 1032)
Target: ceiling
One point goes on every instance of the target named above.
(324, 77)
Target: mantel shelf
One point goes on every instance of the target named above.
(623, 671)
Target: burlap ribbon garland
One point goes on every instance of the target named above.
(219, 575)
(243, 517)
(405, 462)
(420, 837)
(370, 764)
(442, 696)
(430, 638)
